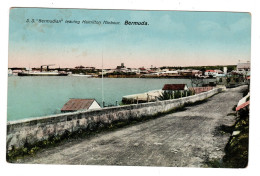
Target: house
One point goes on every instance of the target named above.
(80, 104)
(169, 73)
(210, 73)
(219, 71)
(196, 73)
(121, 66)
(143, 70)
(243, 66)
(185, 72)
(174, 87)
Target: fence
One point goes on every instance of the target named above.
(199, 90)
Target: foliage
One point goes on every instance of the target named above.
(166, 95)
(83, 71)
(169, 94)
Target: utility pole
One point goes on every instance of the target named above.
(103, 103)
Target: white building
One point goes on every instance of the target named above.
(79, 105)
(243, 66)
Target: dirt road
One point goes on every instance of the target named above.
(183, 139)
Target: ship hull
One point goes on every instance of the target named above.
(42, 74)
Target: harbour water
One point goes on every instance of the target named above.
(30, 97)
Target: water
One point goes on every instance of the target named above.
(30, 97)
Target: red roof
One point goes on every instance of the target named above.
(173, 87)
(210, 71)
(77, 104)
(243, 105)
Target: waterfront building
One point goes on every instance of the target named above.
(143, 70)
(122, 66)
(79, 105)
(196, 73)
(185, 72)
(174, 87)
(218, 72)
(169, 73)
(210, 73)
(16, 71)
(243, 66)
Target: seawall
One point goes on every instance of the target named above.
(38, 129)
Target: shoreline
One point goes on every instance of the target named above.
(119, 76)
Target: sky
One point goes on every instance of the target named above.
(171, 38)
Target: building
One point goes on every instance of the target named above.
(79, 67)
(121, 66)
(218, 72)
(143, 70)
(174, 87)
(243, 66)
(80, 104)
(210, 73)
(185, 72)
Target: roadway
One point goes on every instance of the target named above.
(181, 139)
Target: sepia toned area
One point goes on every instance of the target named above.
(133, 88)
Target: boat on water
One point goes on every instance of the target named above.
(42, 74)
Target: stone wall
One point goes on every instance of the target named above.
(38, 129)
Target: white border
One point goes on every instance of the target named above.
(191, 5)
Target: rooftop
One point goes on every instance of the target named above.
(243, 65)
(174, 87)
(77, 104)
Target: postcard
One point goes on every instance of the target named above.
(128, 87)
